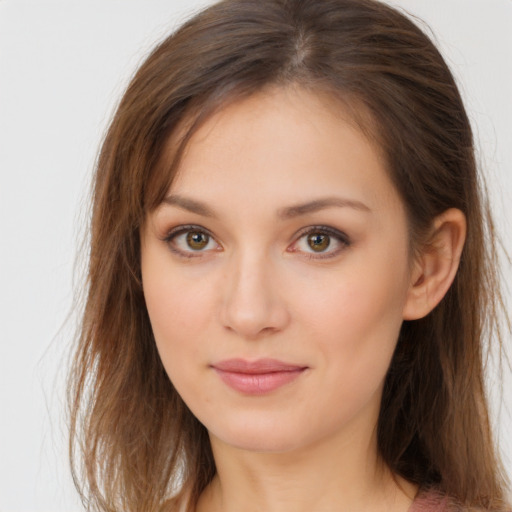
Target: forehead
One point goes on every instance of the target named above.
(284, 139)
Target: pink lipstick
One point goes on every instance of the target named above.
(257, 377)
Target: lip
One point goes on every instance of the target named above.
(257, 377)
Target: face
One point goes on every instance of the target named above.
(276, 274)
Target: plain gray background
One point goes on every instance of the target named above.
(63, 66)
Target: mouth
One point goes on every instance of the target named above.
(257, 377)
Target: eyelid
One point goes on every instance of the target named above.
(341, 237)
(185, 228)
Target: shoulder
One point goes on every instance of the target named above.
(431, 500)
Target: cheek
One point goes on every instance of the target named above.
(362, 296)
(180, 308)
(179, 314)
(177, 307)
(354, 327)
(355, 315)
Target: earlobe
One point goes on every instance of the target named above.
(436, 265)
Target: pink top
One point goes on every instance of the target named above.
(429, 501)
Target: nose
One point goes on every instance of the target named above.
(253, 302)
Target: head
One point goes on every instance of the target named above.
(359, 65)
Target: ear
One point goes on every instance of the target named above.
(436, 264)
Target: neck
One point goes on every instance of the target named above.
(342, 474)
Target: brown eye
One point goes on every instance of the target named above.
(197, 240)
(319, 242)
(191, 242)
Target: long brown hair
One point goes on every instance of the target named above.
(135, 446)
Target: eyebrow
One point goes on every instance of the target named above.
(288, 212)
(320, 204)
(191, 205)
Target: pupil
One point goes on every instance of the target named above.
(197, 240)
(318, 242)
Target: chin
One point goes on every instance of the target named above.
(265, 439)
(262, 444)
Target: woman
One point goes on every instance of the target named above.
(291, 274)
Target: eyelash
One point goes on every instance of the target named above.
(182, 230)
(340, 237)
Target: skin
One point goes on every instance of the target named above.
(259, 289)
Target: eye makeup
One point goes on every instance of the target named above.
(315, 242)
(320, 242)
